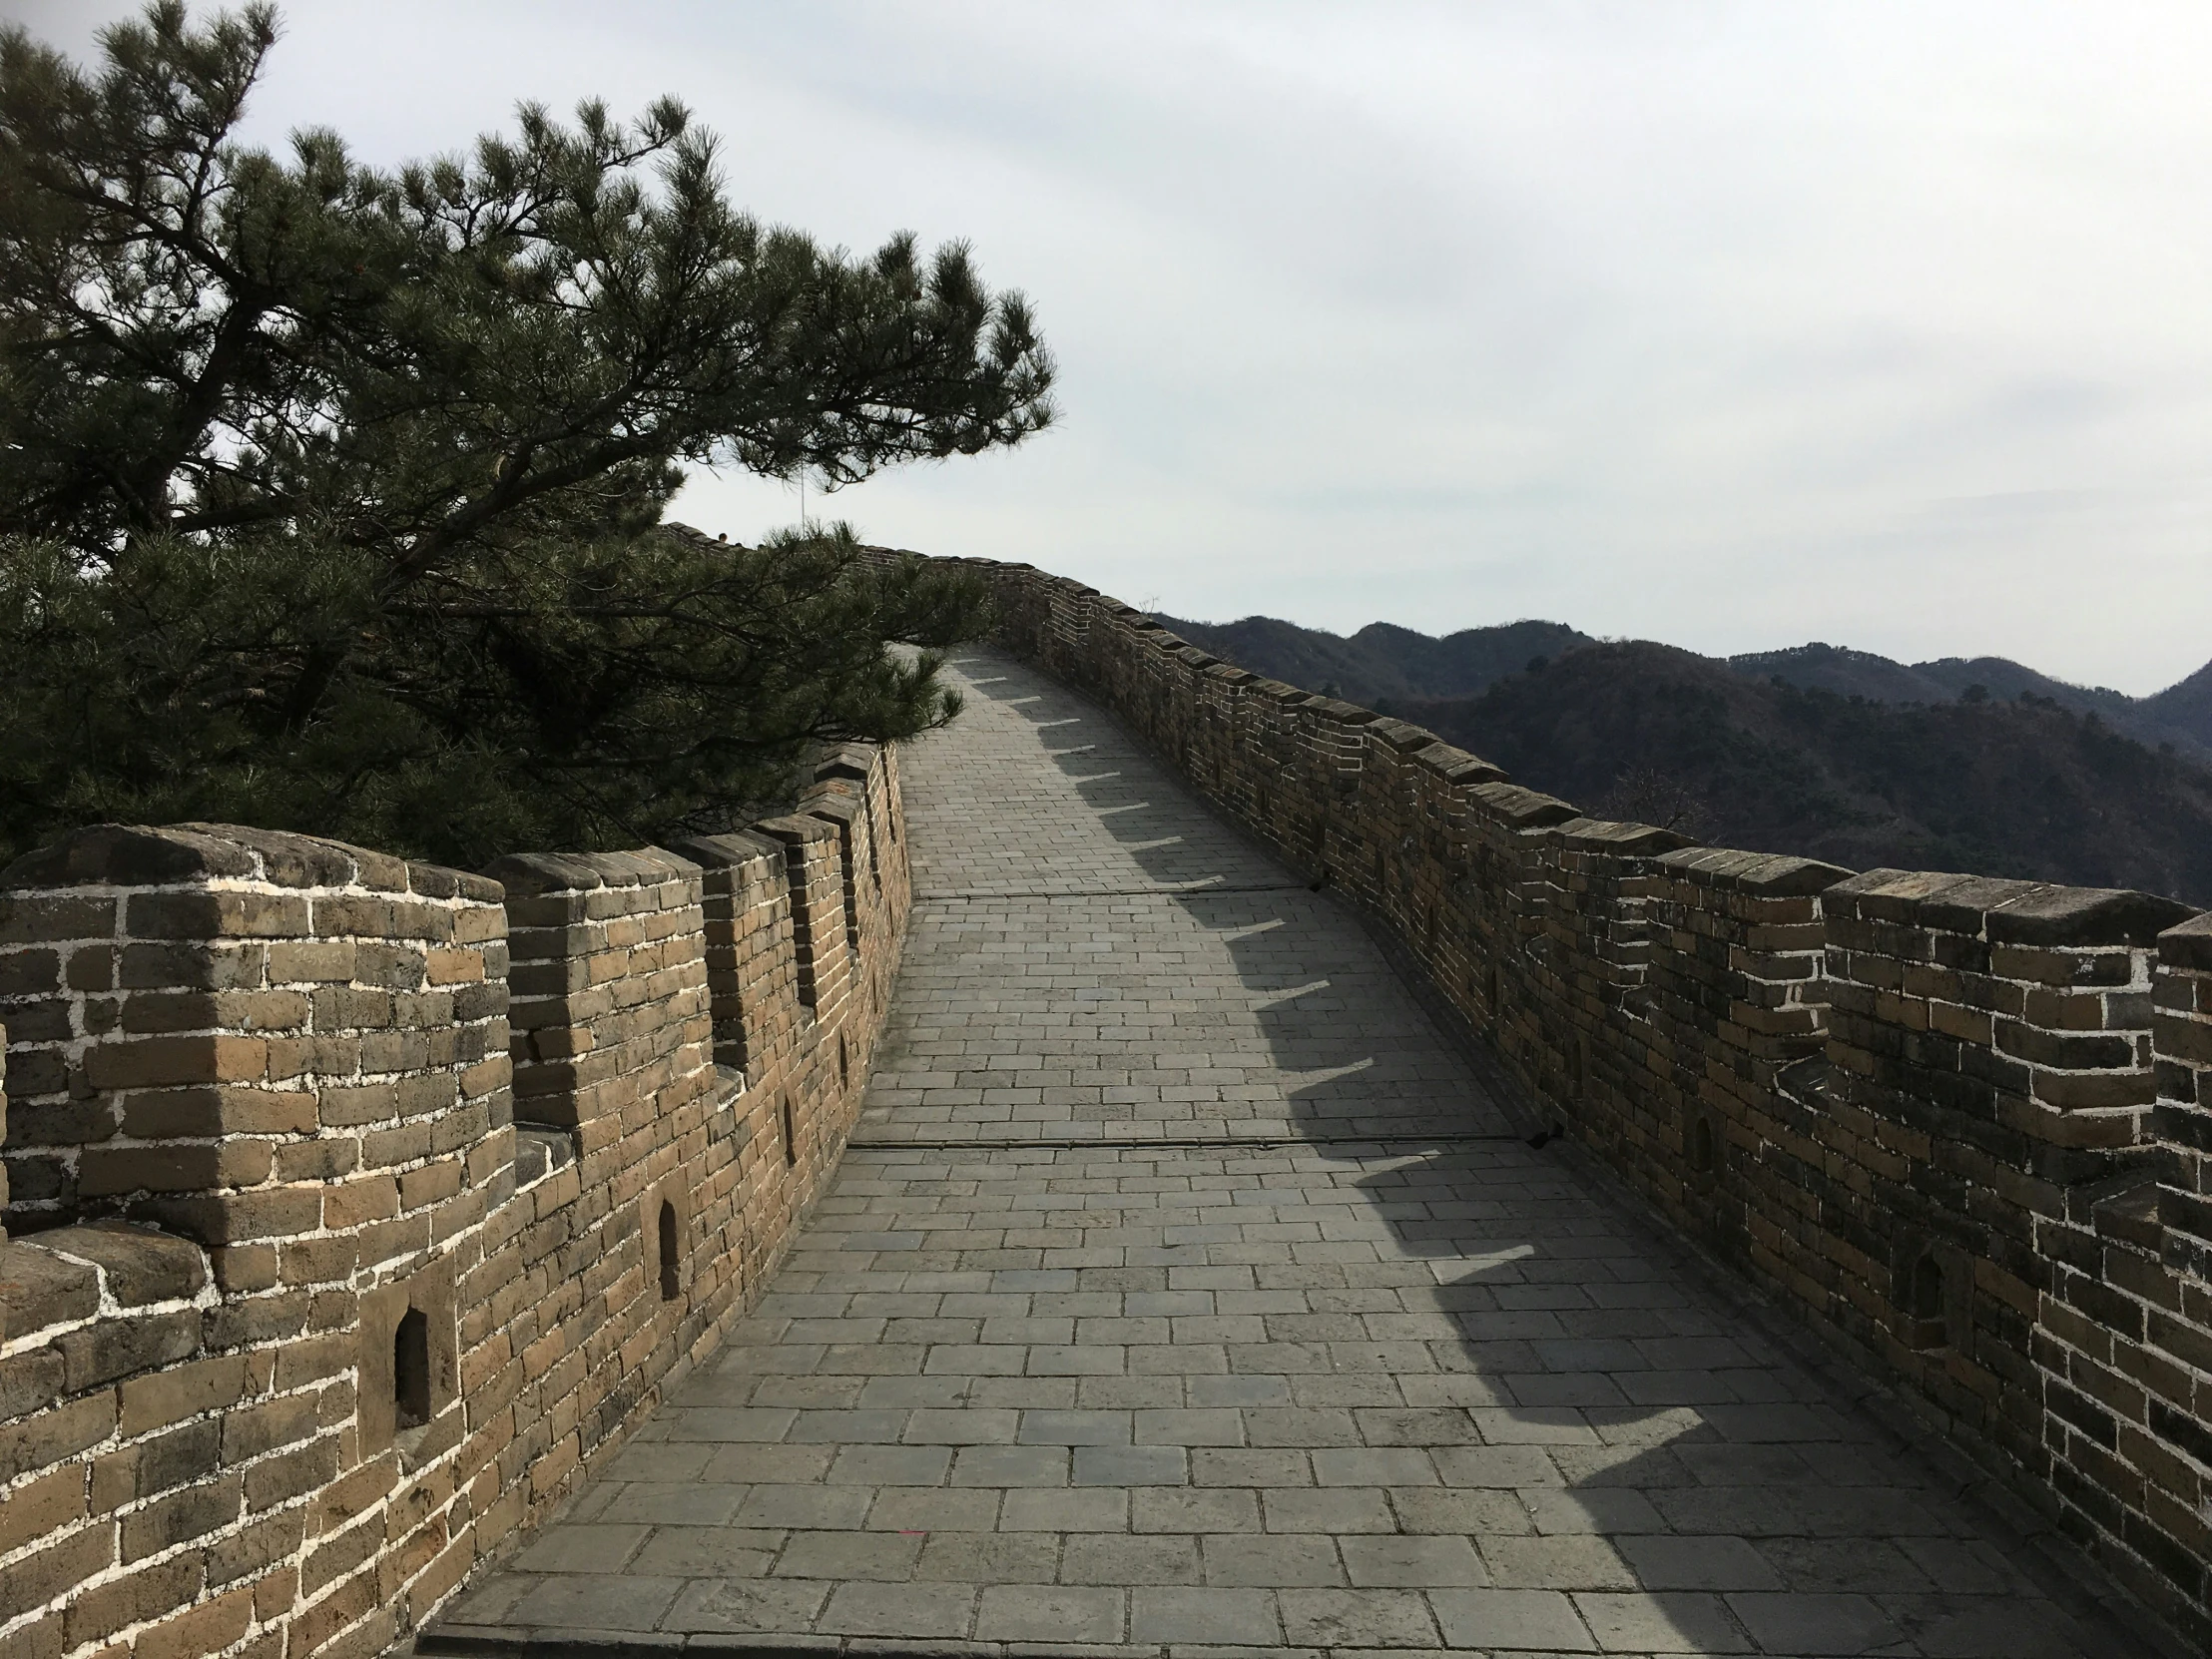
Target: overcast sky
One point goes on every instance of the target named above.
(1734, 325)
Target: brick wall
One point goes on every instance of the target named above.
(1962, 1127)
(341, 1243)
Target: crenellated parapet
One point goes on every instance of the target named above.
(1961, 1126)
(355, 1206)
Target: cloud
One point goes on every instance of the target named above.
(1727, 324)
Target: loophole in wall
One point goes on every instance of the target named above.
(410, 1369)
(1927, 1288)
(672, 1258)
(791, 1135)
(1924, 1293)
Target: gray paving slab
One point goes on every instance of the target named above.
(1184, 1292)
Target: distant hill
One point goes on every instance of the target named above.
(2184, 707)
(2170, 716)
(1381, 659)
(1998, 787)
(1839, 753)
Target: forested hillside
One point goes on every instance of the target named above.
(1969, 764)
(1999, 787)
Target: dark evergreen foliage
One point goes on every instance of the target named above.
(330, 498)
(1998, 787)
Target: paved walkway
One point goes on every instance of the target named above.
(1185, 1289)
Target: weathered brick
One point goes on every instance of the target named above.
(255, 1430)
(39, 918)
(149, 1593)
(42, 1441)
(157, 1062)
(215, 1110)
(167, 1397)
(193, 1513)
(45, 1504)
(55, 1571)
(216, 916)
(206, 1628)
(29, 1381)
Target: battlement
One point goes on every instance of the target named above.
(358, 1205)
(1960, 1126)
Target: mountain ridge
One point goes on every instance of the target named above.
(1466, 662)
(1787, 752)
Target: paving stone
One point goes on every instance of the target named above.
(1214, 1617)
(1388, 1466)
(1417, 1562)
(745, 1423)
(1081, 1429)
(1971, 1626)
(747, 1606)
(1193, 1510)
(1809, 1623)
(845, 1427)
(881, 1556)
(1357, 1619)
(990, 1557)
(1270, 1561)
(1129, 1465)
(1662, 1623)
(1010, 1466)
(889, 1465)
(1701, 1563)
(707, 1552)
(1961, 1566)
(1440, 1509)
(1057, 1614)
(686, 1503)
(774, 1465)
(807, 1506)
(1334, 1509)
(1120, 1559)
(1509, 1467)
(1266, 1467)
(1080, 1509)
(1536, 1620)
(904, 1610)
(1863, 1564)
(1561, 1562)
(933, 1510)
(583, 1548)
(595, 1601)
(1189, 1426)
(1612, 1512)
(662, 1461)
(958, 1425)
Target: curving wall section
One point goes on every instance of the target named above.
(358, 1205)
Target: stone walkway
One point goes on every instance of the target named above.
(1184, 1289)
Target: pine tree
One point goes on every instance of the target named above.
(332, 498)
